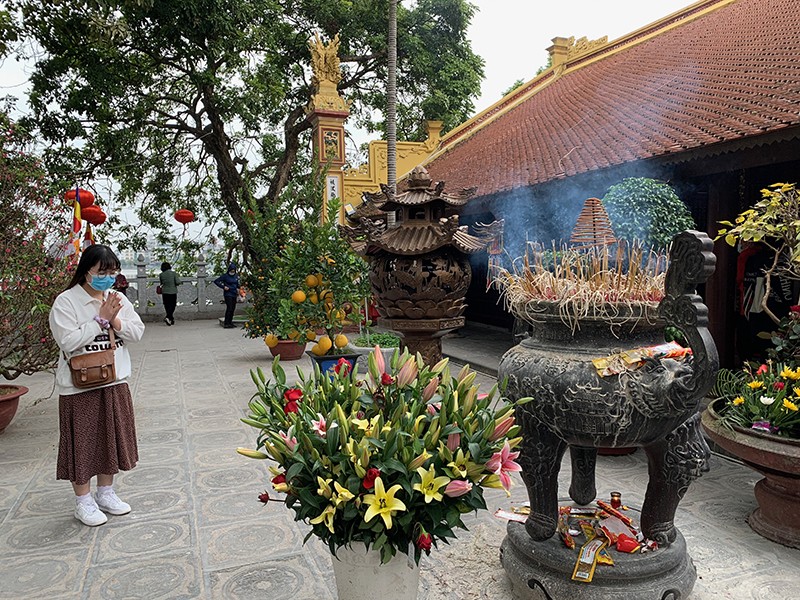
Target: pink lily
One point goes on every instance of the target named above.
(320, 427)
(501, 428)
(502, 463)
(379, 362)
(457, 487)
(290, 442)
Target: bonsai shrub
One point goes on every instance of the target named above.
(646, 210)
(34, 221)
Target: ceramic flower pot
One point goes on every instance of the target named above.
(288, 350)
(327, 362)
(9, 401)
(361, 576)
(778, 460)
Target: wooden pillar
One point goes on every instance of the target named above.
(720, 295)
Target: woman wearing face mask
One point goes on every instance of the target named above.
(98, 435)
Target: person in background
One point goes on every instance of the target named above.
(169, 291)
(121, 284)
(97, 429)
(229, 283)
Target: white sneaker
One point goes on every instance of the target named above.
(110, 503)
(89, 514)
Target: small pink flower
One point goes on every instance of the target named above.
(762, 369)
(290, 442)
(320, 427)
(778, 385)
(457, 487)
(502, 463)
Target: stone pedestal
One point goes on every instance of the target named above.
(543, 571)
(425, 335)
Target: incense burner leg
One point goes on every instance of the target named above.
(673, 462)
(540, 458)
(582, 487)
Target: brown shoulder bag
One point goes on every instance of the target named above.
(95, 368)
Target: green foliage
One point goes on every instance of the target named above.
(294, 243)
(382, 339)
(35, 219)
(763, 397)
(201, 104)
(786, 340)
(515, 85)
(646, 210)
(340, 443)
(775, 222)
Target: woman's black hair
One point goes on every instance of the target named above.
(96, 254)
(165, 266)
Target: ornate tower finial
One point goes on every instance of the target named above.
(326, 75)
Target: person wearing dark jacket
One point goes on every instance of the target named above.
(229, 283)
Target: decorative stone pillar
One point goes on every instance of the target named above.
(141, 283)
(328, 111)
(201, 283)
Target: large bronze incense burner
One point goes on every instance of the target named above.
(653, 407)
(419, 269)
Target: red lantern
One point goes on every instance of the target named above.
(93, 214)
(85, 197)
(184, 216)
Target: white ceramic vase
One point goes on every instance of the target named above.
(361, 576)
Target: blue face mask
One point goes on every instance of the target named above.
(101, 283)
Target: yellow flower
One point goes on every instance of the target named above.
(754, 385)
(790, 405)
(738, 400)
(797, 392)
(326, 517)
(383, 503)
(324, 487)
(430, 484)
(341, 495)
(459, 463)
(788, 373)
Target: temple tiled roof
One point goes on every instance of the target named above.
(716, 72)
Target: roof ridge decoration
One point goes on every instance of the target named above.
(589, 52)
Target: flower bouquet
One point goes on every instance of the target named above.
(390, 462)
(765, 398)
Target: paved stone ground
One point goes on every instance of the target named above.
(197, 530)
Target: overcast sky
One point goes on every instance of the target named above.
(512, 35)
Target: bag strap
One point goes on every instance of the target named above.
(111, 339)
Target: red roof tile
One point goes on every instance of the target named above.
(726, 75)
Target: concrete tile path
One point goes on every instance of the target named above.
(198, 531)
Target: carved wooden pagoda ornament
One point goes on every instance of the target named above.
(419, 269)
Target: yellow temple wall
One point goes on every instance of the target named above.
(369, 176)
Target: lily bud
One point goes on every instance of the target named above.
(469, 401)
(453, 441)
(364, 457)
(419, 461)
(501, 427)
(380, 363)
(430, 389)
(462, 373)
(407, 373)
(457, 487)
(440, 366)
(251, 453)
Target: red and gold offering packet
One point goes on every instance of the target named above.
(587, 560)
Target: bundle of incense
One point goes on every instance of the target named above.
(614, 512)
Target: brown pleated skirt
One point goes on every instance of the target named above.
(98, 433)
